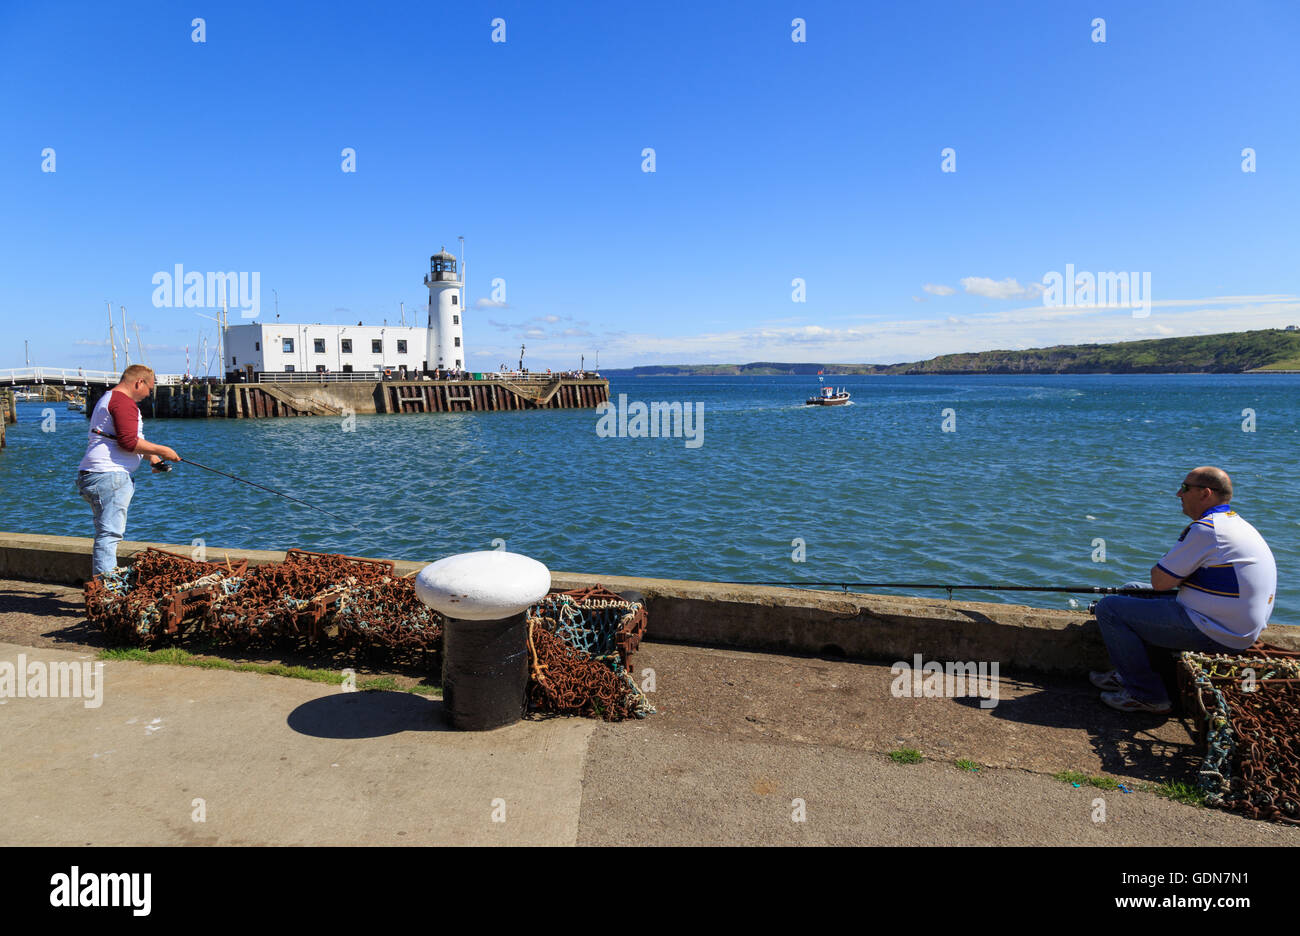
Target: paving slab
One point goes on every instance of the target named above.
(747, 748)
(274, 761)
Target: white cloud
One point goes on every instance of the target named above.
(939, 290)
(916, 339)
(1001, 289)
(490, 304)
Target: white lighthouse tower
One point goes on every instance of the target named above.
(446, 345)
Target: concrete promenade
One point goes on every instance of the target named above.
(742, 739)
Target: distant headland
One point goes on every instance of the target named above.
(1265, 350)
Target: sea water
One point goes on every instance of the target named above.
(1034, 480)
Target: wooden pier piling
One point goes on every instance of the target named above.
(271, 399)
(8, 412)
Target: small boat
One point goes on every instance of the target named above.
(829, 396)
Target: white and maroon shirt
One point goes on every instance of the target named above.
(1228, 577)
(118, 415)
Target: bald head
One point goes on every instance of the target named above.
(1214, 478)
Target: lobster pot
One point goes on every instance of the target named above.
(485, 672)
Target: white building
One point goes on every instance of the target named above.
(446, 345)
(318, 349)
(312, 349)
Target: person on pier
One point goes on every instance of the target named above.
(104, 474)
(1226, 579)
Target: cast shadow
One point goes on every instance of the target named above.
(367, 714)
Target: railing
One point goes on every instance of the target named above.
(67, 375)
(378, 376)
(300, 377)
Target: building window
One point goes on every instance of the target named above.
(401, 347)
(347, 368)
(455, 299)
(455, 320)
(234, 361)
(319, 345)
(347, 345)
(257, 346)
(288, 346)
(376, 346)
(320, 368)
(458, 341)
(458, 362)
(288, 368)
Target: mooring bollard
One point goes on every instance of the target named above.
(483, 596)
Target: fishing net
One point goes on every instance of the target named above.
(156, 596)
(579, 643)
(1247, 713)
(309, 595)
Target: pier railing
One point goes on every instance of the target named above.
(300, 377)
(66, 375)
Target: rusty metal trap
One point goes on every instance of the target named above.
(579, 641)
(1246, 711)
(579, 644)
(362, 602)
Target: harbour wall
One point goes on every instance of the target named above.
(339, 398)
(787, 620)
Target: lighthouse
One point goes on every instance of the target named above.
(446, 346)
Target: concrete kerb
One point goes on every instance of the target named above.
(788, 620)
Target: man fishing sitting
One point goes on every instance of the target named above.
(104, 475)
(1226, 579)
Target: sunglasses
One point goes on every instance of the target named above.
(1187, 487)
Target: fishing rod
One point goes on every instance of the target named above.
(1140, 592)
(163, 466)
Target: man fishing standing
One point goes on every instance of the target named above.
(1226, 579)
(104, 475)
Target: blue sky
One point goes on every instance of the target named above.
(774, 159)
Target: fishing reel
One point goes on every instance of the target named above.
(161, 466)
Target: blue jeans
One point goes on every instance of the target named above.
(109, 494)
(1129, 624)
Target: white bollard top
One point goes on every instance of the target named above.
(483, 586)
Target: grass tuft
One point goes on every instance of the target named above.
(1077, 776)
(1181, 792)
(964, 764)
(176, 656)
(905, 755)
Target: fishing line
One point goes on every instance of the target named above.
(240, 480)
(1084, 589)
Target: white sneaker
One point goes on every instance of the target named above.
(1126, 703)
(1109, 681)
